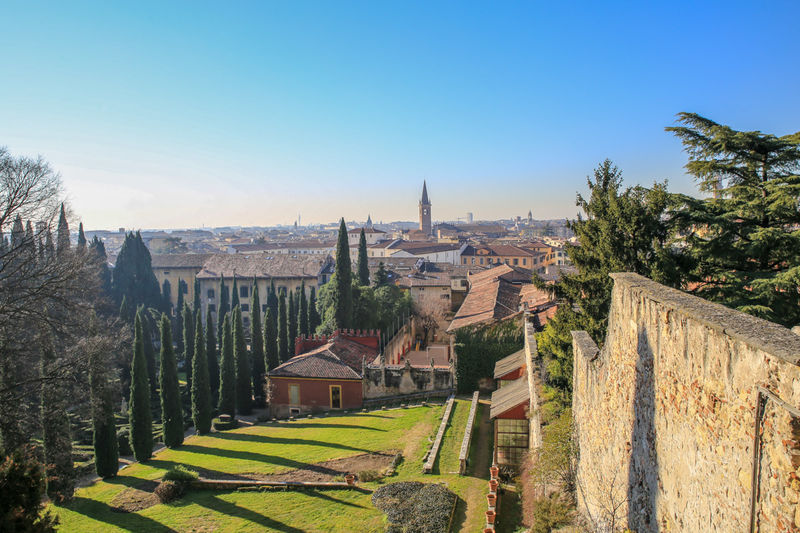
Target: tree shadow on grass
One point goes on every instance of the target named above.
(256, 457)
(323, 496)
(325, 425)
(231, 509)
(280, 440)
(133, 482)
(460, 515)
(102, 512)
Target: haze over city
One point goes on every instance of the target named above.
(180, 115)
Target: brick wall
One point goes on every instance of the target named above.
(667, 413)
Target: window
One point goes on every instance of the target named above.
(524, 261)
(210, 294)
(512, 441)
(294, 394)
(212, 308)
(481, 260)
(516, 261)
(473, 260)
(244, 292)
(166, 272)
(245, 308)
(336, 396)
(445, 296)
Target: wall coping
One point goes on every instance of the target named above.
(756, 332)
(583, 341)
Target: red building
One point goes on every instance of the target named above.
(326, 375)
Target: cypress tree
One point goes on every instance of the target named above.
(363, 263)
(342, 294)
(302, 313)
(196, 304)
(63, 232)
(133, 274)
(271, 340)
(104, 431)
(227, 371)
(224, 307)
(283, 330)
(313, 315)
(166, 296)
(381, 276)
(257, 344)
(171, 409)
(49, 246)
(125, 312)
(211, 356)
(56, 436)
(81, 238)
(141, 432)
(188, 343)
(272, 300)
(244, 379)
(201, 392)
(149, 349)
(292, 319)
(235, 294)
(101, 257)
(178, 333)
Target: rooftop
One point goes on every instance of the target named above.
(264, 265)
(509, 396)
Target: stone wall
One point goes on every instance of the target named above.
(685, 418)
(396, 380)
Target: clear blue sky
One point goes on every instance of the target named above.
(168, 114)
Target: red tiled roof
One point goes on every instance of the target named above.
(339, 358)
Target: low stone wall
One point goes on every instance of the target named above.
(685, 420)
(464, 453)
(396, 380)
(427, 468)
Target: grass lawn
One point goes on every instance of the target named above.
(275, 448)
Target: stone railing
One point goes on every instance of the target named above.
(464, 454)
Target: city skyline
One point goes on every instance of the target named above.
(245, 117)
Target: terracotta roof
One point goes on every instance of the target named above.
(366, 230)
(533, 297)
(495, 250)
(179, 260)
(505, 272)
(264, 265)
(490, 300)
(440, 279)
(339, 358)
(509, 363)
(510, 396)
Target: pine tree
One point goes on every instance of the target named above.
(201, 392)
(342, 294)
(235, 294)
(302, 311)
(244, 376)
(257, 344)
(227, 371)
(283, 330)
(224, 307)
(63, 232)
(56, 435)
(104, 431)
(171, 408)
(149, 349)
(211, 356)
(81, 238)
(363, 263)
(141, 432)
(292, 324)
(271, 340)
(741, 246)
(188, 344)
(313, 314)
(381, 276)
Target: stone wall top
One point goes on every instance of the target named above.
(756, 332)
(585, 345)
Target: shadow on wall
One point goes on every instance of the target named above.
(643, 472)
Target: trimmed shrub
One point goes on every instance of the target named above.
(414, 507)
(168, 491)
(369, 475)
(222, 425)
(124, 442)
(179, 473)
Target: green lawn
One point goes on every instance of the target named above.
(274, 448)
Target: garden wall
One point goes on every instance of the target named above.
(684, 419)
(395, 380)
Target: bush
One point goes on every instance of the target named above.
(180, 473)
(414, 507)
(550, 512)
(168, 491)
(21, 508)
(369, 475)
(124, 442)
(222, 425)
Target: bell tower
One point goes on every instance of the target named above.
(425, 211)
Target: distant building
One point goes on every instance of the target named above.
(470, 218)
(425, 211)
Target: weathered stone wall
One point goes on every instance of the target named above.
(396, 380)
(532, 367)
(667, 413)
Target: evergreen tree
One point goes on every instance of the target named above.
(63, 232)
(292, 319)
(227, 371)
(188, 344)
(224, 307)
(141, 432)
(133, 274)
(104, 431)
(624, 231)
(81, 238)
(313, 314)
(211, 356)
(22, 479)
(244, 379)
(56, 435)
(742, 246)
(179, 319)
(235, 294)
(196, 304)
(342, 294)
(166, 296)
(257, 344)
(125, 311)
(149, 349)
(201, 392)
(100, 256)
(283, 330)
(49, 246)
(171, 408)
(363, 263)
(272, 300)
(381, 276)
(271, 340)
(302, 311)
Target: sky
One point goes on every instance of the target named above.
(174, 115)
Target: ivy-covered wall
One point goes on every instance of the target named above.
(479, 348)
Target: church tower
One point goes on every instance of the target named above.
(425, 211)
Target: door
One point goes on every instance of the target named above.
(336, 397)
(294, 394)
